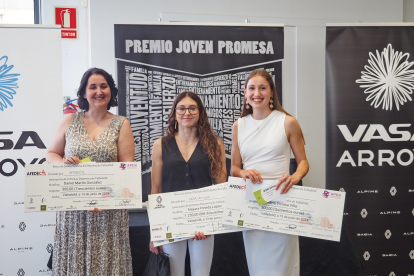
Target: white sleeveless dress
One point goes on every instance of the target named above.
(268, 151)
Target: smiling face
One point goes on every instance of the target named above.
(187, 119)
(258, 93)
(97, 92)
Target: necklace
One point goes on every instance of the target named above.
(254, 121)
(188, 145)
(263, 121)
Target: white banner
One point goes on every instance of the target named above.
(30, 109)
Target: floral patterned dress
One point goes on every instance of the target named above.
(90, 244)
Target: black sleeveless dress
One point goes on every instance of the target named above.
(178, 175)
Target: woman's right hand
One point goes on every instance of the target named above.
(72, 160)
(253, 175)
(155, 249)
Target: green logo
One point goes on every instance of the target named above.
(171, 240)
(240, 223)
(42, 207)
(169, 236)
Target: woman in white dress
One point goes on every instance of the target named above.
(262, 139)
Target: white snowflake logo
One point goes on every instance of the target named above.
(392, 273)
(388, 78)
(342, 190)
(366, 255)
(412, 254)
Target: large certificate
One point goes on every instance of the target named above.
(60, 187)
(162, 242)
(178, 215)
(308, 212)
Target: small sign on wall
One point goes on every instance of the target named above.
(67, 18)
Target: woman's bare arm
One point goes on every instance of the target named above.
(56, 149)
(295, 138)
(126, 145)
(223, 176)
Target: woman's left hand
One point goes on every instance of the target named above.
(288, 180)
(200, 236)
(72, 160)
(95, 210)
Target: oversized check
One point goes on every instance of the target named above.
(60, 187)
(162, 242)
(179, 215)
(308, 212)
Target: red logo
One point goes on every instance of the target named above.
(67, 19)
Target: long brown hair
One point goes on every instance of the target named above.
(276, 104)
(207, 137)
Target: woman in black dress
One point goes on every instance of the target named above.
(189, 156)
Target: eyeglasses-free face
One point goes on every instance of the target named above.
(182, 110)
(258, 93)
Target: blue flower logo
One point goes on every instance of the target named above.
(8, 84)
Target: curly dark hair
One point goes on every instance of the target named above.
(82, 102)
(208, 138)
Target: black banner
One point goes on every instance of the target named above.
(157, 62)
(370, 141)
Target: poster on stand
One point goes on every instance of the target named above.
(30, 110)
(156, 62)
(369, 140)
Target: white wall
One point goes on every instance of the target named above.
(408, 11)
(16, 4)
(75, 57)
(104, 13)
(16, 12)
(305, 98)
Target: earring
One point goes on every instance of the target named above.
(175, 127)
(271, 102)
(247, 105)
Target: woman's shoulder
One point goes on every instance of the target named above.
(118, 118)
(291, 123)
(67, 120)
(157, 149)
(278, 113)
(118, 121)
(242, 120)
(163, 143)
(158, 142)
